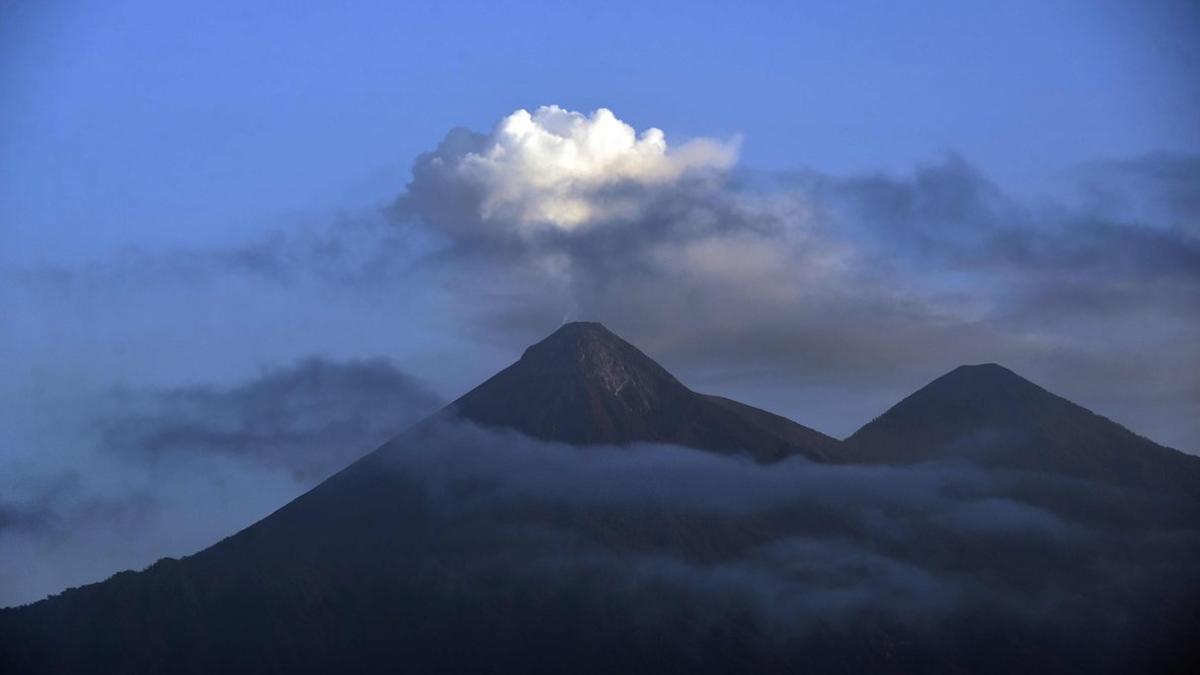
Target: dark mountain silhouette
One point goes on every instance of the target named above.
(464, 545)
(990, 415)
(585, 385)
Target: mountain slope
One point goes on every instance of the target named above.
(585, 385)
(360, 573)
(470, 548)
(990, 415)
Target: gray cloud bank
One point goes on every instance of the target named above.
(703, 562)
(542, 556)
(171, 470)
(310, 419)
(787, 553)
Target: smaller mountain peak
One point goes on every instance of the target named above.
(982, 382)
(986, 385)
(988, 414)
(982, 367)
(982, 372)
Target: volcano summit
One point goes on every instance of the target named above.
(584, 511)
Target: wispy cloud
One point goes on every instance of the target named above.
(169, 471)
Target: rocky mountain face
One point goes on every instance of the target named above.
(583, 511)
(585, 385)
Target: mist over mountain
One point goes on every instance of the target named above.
(990, 415)
(668, 531)
(620, 337)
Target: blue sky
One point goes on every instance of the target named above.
(152, 123)
(205, 207)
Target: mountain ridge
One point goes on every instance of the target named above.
(991, 415)
(404, 560)
(585, 385)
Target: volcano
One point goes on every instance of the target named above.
(583, 511)
(989, 415)
(585, 385)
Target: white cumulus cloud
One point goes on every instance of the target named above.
(556, 168)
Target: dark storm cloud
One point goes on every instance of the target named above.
(310, 419)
